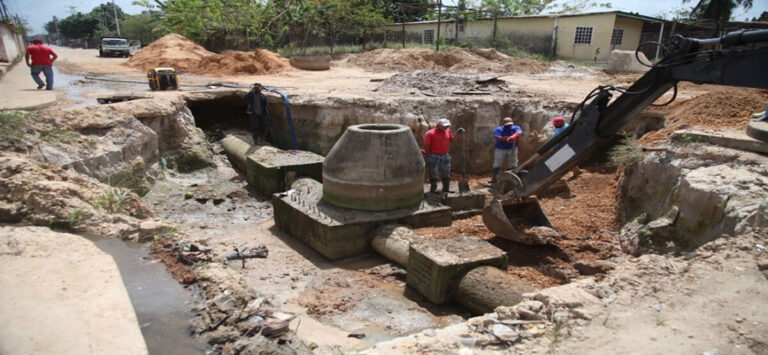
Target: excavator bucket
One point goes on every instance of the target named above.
(520, 221)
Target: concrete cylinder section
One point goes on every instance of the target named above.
(374, 167)
(484, 288)
(393, 242)
(237, 150)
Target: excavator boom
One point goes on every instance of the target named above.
(599, 118)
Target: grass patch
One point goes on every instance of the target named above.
(113, 200)
(627, 152)
(59, 135)
(73, 218)
(12, 124)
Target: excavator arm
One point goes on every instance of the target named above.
(598, 118)
(601, 118)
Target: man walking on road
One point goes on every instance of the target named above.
(437, 147)
(506, 136)
(42, 59)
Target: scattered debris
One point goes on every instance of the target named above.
(259, 251)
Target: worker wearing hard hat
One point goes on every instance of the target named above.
(507, 136)
(437, 151)
(559, 124)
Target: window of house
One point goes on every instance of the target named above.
(389, 36)
(428, 37)
(617, 36)
(583, 35)
(461, 27)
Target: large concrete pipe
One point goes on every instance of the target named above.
(484, 288)
(237, 150)
(393, 241)
(374, 167)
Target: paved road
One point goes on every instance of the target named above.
(19, 91)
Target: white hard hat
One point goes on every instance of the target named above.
(444, 122)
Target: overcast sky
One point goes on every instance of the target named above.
(38, 12)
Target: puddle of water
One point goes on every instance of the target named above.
(76, 88)
(161, 304)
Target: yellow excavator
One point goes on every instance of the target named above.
(514, 214)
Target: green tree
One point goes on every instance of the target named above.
(763, 17)
(78, 25)
(52, 26)
(105, 14)
(719, 11)
(140, 27)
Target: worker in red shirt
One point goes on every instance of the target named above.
(437, 147)
(42, 59)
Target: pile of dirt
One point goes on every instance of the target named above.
(441, 83)
(176, 51)
(717, 109)
(452, 59)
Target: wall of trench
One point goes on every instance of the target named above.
(688, 195)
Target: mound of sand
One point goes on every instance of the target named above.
(718, 109)
(176, 51)
(452, 59)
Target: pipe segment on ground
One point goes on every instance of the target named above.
(480, 290)
(237, 150)
(484, 288)
(374, 167)
(393, 241)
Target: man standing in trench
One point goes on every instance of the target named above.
(258, 113)
(437, 147)
(42, 59)
(507, 135)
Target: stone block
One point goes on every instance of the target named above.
(270, 170)
(434, 266)
(461, 204)
(337, 232)
(625, 62)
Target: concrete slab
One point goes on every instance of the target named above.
(270, 170)
(337, 232)
(462, 204)
(60, 294)
(758, 130)
(729, 139)
(19, 91)
(434, 266)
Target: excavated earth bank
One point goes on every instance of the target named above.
(701, 296)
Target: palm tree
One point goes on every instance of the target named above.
(717, 10)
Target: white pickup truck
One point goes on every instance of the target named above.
(114, 46)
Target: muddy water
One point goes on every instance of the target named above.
(79, 92)
(162, 305)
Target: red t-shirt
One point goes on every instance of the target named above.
(438, 141)
(41, 55)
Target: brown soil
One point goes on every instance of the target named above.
(587, 217)
(180, 272)
(717, 109)
(452, 59)
(176, 51)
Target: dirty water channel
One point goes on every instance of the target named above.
(162, 305)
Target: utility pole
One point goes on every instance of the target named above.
(117, 23)
(3, 10)
(72, 10)
(439, 8)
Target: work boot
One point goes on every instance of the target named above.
(433, 185)
(447, 185)
(494, 172)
